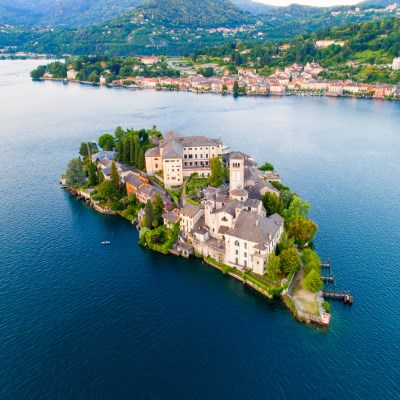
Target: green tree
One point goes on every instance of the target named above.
(141, 163)
(75, 173)
(287, 197)
(107, 190)
(290, 261)
(236, 87)
(114, 177)
(217, 172)
(158, 209)
(266, 167)
(93, 180)
(273, 265)
(297, 207)
(119, 133)
(285, 243)
(310, 260)
(272, 203)
(312, 282)
(83, 150)
(149, 214)
(100, 175)
(302, 229)
(132, 151)
(224, 88)
(106, 142)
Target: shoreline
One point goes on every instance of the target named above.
(289, 93)
(284, 292)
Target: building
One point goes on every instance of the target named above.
(396, 64)
(178, 157)
(323, 44)
(234, 228)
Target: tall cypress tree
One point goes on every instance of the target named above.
(132, 152)
(114, 177)
(137, 150)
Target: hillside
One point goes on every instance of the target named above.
(194, 13)
(367, 50)
(253, 7)
(67, 13)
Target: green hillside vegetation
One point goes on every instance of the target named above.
(374, 42)
(194, 13)
(67, 13)
(171, 27)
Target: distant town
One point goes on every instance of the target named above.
(296, 79)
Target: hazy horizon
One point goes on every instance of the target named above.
(318, 3)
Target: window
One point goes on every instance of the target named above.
(226, 219)
(236, 242)
(185, 156)
(245, 254)
(245, 263)
(156, 165)
(190, 155)
(195, 156)
(236, 261)
(245, 245)
(206, 155)
(237, 252)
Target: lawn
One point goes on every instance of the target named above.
(307, 300)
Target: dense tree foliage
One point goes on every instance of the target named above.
(310, 260)
(272, 203)
(273, 265)
(266, 167)
(217, 172)
(312, 282)
(75, 174)
(302, 229)
(107, 142)
(289, 261)
(194, 13)
(93, 177)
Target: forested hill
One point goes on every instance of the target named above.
(194, 13)
(63, 13)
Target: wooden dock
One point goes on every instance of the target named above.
(326, 264)
(328, 278)
(346, 297)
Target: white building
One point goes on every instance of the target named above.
(396, 64)
(178, 157)
(234, 229)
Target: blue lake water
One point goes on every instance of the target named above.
(83, 321)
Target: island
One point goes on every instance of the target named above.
(191, 196)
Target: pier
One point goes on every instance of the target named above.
(326, 264)
(328, 278)
(346, 297)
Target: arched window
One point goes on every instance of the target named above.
(236, 242)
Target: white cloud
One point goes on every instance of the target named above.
(319, 3)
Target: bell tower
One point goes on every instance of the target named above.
(236, 171)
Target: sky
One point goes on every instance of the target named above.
(319, 3)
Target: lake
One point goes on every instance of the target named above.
(83, 321)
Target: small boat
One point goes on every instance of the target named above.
(105, 242)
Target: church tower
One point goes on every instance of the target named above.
(236, 171)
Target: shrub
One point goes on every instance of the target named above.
(326, 306)
(310, 260)
(312, 282)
